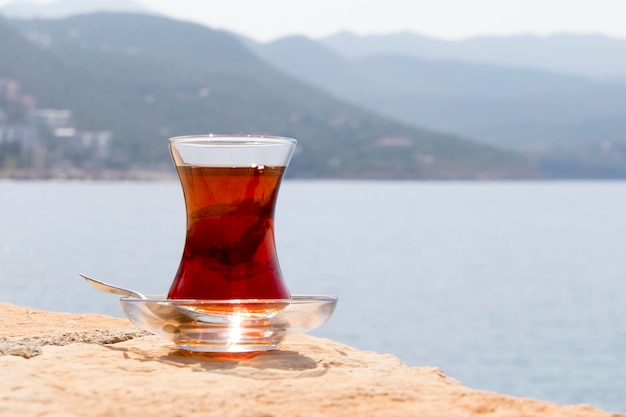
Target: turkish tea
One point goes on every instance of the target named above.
(229, 250)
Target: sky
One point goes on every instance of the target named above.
(266, 20)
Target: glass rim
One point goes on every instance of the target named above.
(231, 140)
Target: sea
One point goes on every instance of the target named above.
(515, 287)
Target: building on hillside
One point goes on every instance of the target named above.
(18, 124)
(25, 136)
(54, 119)
(99, 142)
(46, 137)
(9, 90)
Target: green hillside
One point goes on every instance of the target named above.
(148, 78)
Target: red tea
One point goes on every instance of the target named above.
(229, 249)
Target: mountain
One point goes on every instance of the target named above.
(390, 74)
(152, 78)
(65, 8)
(594, 56)
(544, 114)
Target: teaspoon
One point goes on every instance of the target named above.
(113, 289)
(173, 310)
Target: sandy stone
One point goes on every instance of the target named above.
(24, 321)
(308, 376)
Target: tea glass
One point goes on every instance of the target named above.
(230, 185)
(229, 294)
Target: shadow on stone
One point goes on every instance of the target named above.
(245, 364)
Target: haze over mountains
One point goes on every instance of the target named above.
(589, 55)
(67, 8)
(555, 101)
(572, 125)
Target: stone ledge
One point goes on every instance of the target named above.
(30, 346)
(144, 376)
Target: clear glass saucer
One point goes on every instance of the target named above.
(228, 325)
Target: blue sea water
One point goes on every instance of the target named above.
(517, 287)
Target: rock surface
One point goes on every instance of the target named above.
(90, 365)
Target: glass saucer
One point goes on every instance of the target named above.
(228, 325)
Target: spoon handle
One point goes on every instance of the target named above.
(112, 289)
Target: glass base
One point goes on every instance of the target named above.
(228, 326)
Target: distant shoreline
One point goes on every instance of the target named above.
(83, 175)
(167, 175)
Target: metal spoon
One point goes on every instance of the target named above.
(112, 289)
(163, 310)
